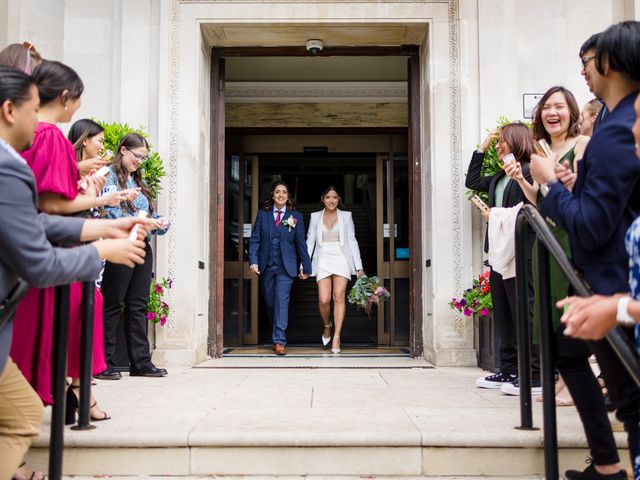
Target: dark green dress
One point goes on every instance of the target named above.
(558, 284)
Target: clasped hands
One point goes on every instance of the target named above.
(547, 169)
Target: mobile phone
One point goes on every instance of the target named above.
(103, 171)
(106, 153)
(133, 234)
(477, 201)
(508, 158)
(545, 147)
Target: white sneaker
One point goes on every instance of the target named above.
(514, 388)
(497, 380)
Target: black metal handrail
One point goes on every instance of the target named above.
(530, 218)
(59, 371)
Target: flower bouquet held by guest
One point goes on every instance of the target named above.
(276, 249)
(124, 285)
(335, 257)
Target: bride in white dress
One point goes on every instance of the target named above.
(335, 257)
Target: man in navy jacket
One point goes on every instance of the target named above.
(604, 203)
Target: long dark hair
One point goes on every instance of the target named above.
(518, 136)
(80, 131)
(129, 142)
(269, 202)
(574, 114)
(332, 188)
(53, 78)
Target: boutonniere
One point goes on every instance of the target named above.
(290, 222)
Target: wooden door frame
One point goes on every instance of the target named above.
(217, 176)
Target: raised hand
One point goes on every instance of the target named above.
(86, 166)
(121, 251)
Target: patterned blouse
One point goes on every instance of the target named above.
(632, 243)
(140, 203)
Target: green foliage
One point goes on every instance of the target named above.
(491, 164)
(152, 169)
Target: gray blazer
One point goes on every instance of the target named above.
(25, 236)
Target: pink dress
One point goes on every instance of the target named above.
(53, 162)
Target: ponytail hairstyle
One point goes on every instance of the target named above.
(23, 57)
(15, 86)
(54, 78)
(129, 142)
(80, 131)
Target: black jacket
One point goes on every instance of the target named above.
(512, 195)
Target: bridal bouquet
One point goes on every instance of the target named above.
(366, 292)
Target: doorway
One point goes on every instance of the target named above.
(374, 188)
(239, 177)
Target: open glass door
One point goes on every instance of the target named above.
(393, 246)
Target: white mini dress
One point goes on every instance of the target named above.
(332, 260)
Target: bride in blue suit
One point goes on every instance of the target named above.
(276, 248)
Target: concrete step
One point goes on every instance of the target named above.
(272, 417)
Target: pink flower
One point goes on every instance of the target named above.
(151, 315)
(484, 311)
(467, 312)
(159, 289)
(380, 291)
(163, 320)
(165, 305)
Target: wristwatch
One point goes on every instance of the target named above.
(623, 316)
(544, 188)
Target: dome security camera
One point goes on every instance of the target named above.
(314, 47)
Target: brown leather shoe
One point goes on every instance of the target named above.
(279, 349)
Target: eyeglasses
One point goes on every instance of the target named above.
(140, 158)
(586, 60)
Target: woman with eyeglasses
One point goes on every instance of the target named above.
(125, 285)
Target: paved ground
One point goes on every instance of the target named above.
(315, 402)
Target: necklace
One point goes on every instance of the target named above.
(330, 221)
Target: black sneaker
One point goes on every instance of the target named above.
(514, 388)
(496, 380)
(590, 473)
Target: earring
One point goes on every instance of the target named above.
(66, 108)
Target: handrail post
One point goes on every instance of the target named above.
(547, 367)
(86, 354)
(523, 322)
(59, 380)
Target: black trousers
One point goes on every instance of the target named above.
(503, 296)
(572, 362)
(126, 286)
(623, 391)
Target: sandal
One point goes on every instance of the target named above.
(72, 407)
(326, 340)
(23, 473)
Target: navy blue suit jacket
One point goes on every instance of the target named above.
(292, 242)
(604, 203)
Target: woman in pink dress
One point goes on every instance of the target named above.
(53, 162)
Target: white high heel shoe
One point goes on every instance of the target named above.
(326, 340)
(336, 350)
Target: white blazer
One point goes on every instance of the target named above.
(348, 240)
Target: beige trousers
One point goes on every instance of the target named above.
(21, 413)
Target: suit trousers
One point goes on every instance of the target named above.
(572, 361)
(21, 413)
(121, 284)
(275, 284)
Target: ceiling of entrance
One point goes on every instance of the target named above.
(242, 35)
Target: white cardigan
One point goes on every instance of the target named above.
(348, 240)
